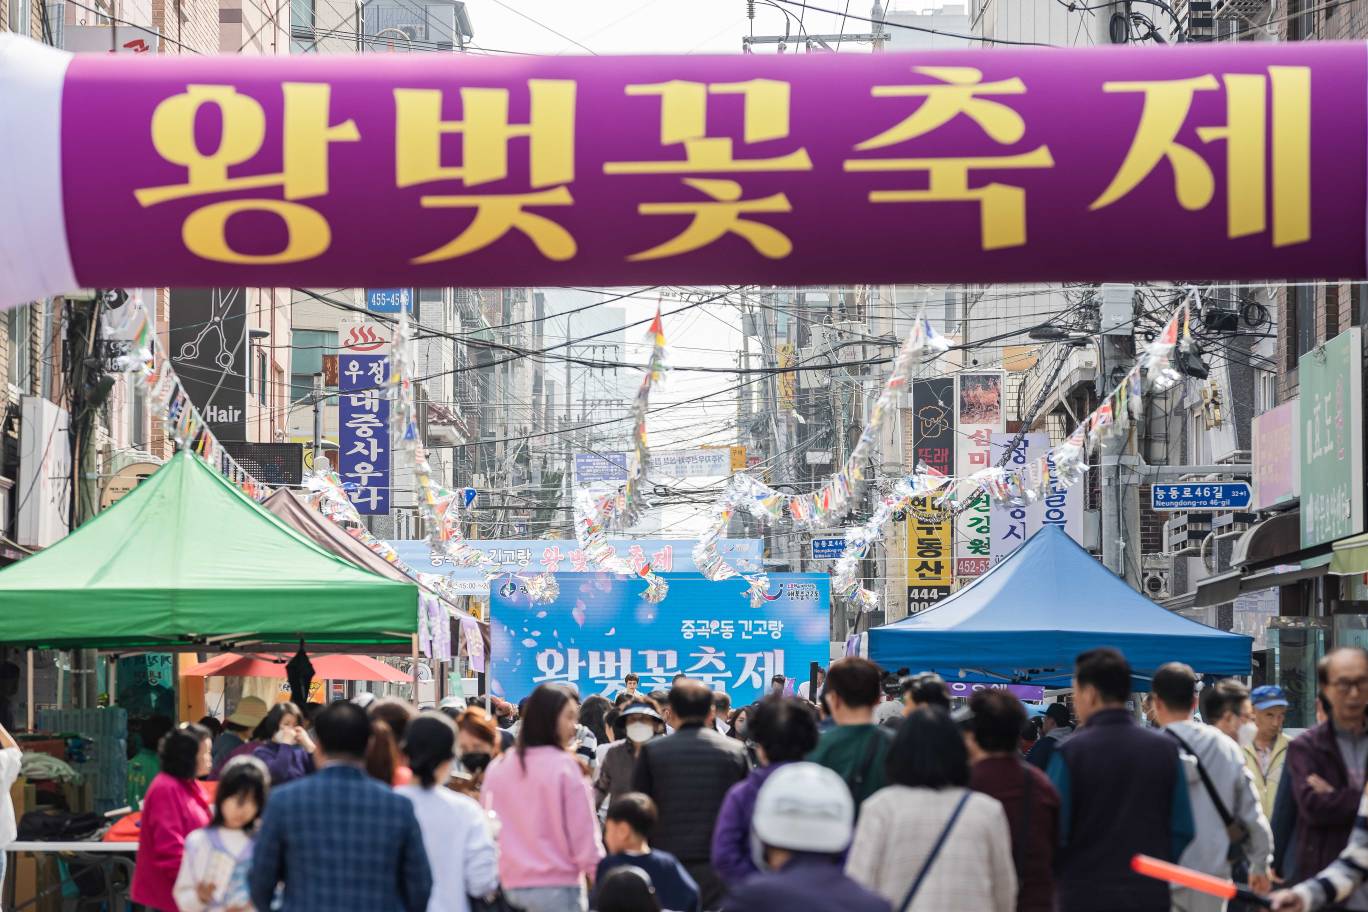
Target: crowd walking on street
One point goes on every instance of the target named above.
(655, 802)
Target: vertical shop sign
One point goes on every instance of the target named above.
(1332, 439)
(930, 532)
(979, 415)
(1011, 524)
(364, 447)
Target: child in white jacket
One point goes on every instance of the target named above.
(218, 858)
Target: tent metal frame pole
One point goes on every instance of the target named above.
(29, 710)
(415, 669)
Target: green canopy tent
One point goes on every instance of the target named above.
(187, 560)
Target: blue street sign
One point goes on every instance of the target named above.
(389, 300)
(1224, 495)
(828, 548)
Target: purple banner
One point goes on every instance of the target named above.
(1020, 691)
(1210, 161)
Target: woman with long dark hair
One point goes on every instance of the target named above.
(459, 848)
(174, 807)
(283, 745)
(550, 836)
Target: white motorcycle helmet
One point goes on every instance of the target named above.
(802, 807)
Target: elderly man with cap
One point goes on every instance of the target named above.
(642, 723)
(1266, 755)
(804, 818)
(237, 728)
(1054, 731)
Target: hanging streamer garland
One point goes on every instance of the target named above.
(845, 579)
(829, 502)
(595, 513)
(440, 505)
(147, 365)
(1064, 465)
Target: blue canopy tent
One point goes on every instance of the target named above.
(1024, 621)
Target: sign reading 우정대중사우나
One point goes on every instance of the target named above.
(597, 630)
(363, 431)
(1331, 381)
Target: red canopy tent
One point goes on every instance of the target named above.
(326, 667)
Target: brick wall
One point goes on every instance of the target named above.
(187, 26)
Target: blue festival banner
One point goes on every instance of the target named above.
(599, 628)
(364, 447)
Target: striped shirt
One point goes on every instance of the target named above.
(1345, 874)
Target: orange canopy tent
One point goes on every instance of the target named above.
(326, 667)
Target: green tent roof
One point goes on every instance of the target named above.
(187, 558)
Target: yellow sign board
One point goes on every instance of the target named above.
(930, 557)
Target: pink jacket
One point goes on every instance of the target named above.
(550, 834)
(172, 809)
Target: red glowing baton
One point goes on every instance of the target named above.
(1195, 880)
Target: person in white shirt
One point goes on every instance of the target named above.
(805, 688)
(218, 858)
(460, 849)
(10, 757)
(1226, 793)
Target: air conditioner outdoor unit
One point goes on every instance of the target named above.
(1156, 576)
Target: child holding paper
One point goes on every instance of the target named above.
(218, 857)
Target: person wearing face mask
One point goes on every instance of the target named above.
(641, 723)
(477, 744)
(1230, 824)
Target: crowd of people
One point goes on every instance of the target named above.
(876, 798)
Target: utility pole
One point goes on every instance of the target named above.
(1120, 514)
(568, 480)
(320, 462)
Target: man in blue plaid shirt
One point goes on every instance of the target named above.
(339, 841)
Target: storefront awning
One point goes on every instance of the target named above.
(1350, 556)
(1266, 557)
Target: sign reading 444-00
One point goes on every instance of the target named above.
(1332, 439)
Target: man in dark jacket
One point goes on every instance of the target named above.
(1056, 728)
(1326, 765)
(687, 774)
(1123, 792)
(992, 725)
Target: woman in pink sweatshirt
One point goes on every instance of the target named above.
(174, 807)
(549, 841)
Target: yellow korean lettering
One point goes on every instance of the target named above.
(958, 93)
(205, 232)
(173, 136)
(307, 137)
(485, 131)
(498, 214)
(1166, 109)
(684, 121)
(717, 217)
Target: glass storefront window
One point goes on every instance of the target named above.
(1296, 645)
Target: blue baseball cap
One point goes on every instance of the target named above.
(1268, 696)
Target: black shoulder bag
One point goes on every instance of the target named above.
(935, 850)
(1237, 832)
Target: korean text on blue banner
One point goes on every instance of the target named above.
(364, 448)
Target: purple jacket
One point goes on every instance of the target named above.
(287, 762)
(731, 847)
(1323, 821)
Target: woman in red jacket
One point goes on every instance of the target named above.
(175, 806)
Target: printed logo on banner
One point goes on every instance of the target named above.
(597, 630)
(979, 413)
(363, 416)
